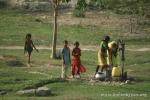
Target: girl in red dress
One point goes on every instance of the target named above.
(77, 67)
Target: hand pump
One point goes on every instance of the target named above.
(122, 57)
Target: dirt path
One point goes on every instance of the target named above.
(85, 48)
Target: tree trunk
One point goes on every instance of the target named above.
(131, 25)
(54, 40)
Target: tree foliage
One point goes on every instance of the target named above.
(80, 8)
(124, 6)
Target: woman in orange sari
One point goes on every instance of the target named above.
(77, 67)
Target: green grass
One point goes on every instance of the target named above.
(16, 24)
(14, 78)
(46, 72)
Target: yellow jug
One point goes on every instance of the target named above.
(116, 72)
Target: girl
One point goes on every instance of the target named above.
(77, 67)
(28, 47)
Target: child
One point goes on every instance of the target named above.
(66, 59)
(28, 47)
(77, 67)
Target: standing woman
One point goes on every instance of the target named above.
(28, 47)
(113, 54)
(77, 67)
(102, 54)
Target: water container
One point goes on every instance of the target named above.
(100, 76)
(116, 72)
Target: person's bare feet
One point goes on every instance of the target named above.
(67, 77)
(29, 65)
(72, 76)
(79, 76)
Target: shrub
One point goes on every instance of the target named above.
(3, 4)
(80, 8)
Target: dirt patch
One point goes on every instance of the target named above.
(92, 19)
(14, 63)
(34, 72)
(7, 57)
(83, 47)
(1, 57)
(11, 60)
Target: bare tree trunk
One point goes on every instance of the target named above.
(54, 40)
(131, 25)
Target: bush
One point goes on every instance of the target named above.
(3, 4)
(144, 23)
(78, 13)
(34, 6)
(80, 8)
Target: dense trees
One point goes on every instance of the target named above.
(138, 10)
(123, 6)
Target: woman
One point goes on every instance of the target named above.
(113, 55)
(102, 54)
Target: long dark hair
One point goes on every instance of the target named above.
(106, 38)
(28, 35)
(76, 43)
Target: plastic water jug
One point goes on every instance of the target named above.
(116, 72)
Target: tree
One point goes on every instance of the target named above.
(55, 4)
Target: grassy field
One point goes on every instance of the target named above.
(46, 72)
(15, 75)
(16, 24)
